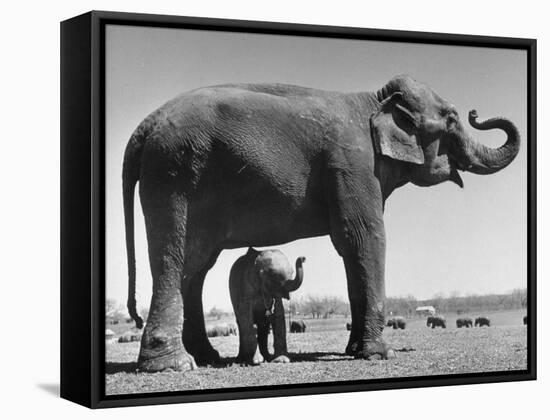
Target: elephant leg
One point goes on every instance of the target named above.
(279, 333)
(366, 298)
(248, 343)
(263, 324)
(161, 344)
(195, 339)
(357, 232)
(354, 336)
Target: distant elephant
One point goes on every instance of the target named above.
(348, 326)
(221, 330)
(464, 322)
(243, 165)
(129, 336)
(525, 320)
(482, 321)
(397, 322)
(298, 326)
(257, 283)
(436, 321)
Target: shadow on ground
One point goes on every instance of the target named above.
(294, 358)
(52, 389)
(318, 357)
(116, 367)
(130, 367)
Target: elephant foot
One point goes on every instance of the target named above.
(255, 360)
(206, 355)
(160, 352)
(178, 361)
(352, 347)
(375, 350)
(281, 359)
(197, 344)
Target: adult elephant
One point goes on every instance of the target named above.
(298, 326)
(221, 330)
(466, 322)
(264, 164)
(257, 283)
(397, 322)
(436, 321)
(482, 321)
(129, 337)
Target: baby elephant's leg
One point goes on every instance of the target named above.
(263, 324)
(248, 343)
(279, 333)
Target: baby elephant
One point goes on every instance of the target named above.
(482, 321)
(466, 322)
(436, 321)
(257, 283)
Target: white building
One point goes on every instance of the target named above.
(425, 310)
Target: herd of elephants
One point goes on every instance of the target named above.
(260, 165)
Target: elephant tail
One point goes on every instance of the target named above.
(130, 177)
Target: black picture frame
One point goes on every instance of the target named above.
(83, 204)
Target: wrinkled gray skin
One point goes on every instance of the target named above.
(298, 326)
(257, 283)
(260, 165)
(436, 321)
(466, 322)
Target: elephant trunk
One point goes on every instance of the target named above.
(293, 285)
(482, 160)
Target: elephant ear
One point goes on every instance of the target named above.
(394, 131)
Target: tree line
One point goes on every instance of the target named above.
(313, 306)
(328, 306)
(455, 303)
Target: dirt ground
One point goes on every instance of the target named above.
(318, 356)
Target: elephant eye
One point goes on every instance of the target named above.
(452, 120)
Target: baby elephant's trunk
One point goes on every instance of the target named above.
(293, 285)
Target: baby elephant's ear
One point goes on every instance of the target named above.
(394, 131)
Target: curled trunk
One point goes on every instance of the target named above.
(482, 160)
(292, 285)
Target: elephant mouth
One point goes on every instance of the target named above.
(455, 164)
(454, 175)
(456, 178)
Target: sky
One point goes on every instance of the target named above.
(440, 239)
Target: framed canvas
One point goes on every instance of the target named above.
(245, 210)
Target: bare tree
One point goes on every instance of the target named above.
(111, 305)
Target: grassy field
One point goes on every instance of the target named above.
(317, 356)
